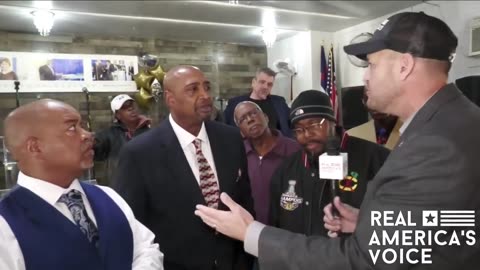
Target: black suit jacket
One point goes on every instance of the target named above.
(434, 167)
(154, 177)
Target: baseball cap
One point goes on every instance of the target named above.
(416, 33)
(117, 102)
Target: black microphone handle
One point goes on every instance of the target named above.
(334, 193)
(17, 97)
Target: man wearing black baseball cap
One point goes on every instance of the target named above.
(404, 220)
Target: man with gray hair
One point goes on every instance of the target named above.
(275, 107)
(266, 149)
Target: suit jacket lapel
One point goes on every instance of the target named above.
(178, 165)
(444, 95)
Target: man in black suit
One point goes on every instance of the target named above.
(186, 161)
(432, 170)
(46, 72)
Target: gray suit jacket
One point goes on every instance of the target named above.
(434, 167)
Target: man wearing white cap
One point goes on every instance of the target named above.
(127, 124)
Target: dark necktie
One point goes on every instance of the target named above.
(208, 184)
(382, 136)
(73, 200)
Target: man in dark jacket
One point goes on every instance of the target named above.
(185, 161)
(275, 107)
(128, 123)
(298, 196)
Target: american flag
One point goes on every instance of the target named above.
(331, 87)
(323, 69)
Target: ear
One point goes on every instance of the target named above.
(407, 64)
(266, 118)
(253, 81)
(33, 146)
(169, 99)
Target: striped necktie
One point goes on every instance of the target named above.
(208, 184)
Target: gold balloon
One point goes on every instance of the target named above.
(158, 72)
(144, 80)
(143, 98)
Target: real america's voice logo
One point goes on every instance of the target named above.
(399, 239)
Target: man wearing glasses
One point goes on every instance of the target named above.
(298, 196)
(266, 149)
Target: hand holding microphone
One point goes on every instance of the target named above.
(333, 166)
(346, 222)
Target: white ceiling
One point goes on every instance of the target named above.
(218, 20)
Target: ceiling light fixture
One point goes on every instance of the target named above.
(269, 24)
(269, 36)
(233, 2)
(43, 21)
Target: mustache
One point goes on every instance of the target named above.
(206, 102)
(319, 141)
(88, 145)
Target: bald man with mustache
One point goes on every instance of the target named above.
(187, 160)
(50, 220)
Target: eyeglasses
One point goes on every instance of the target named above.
(250, 114)
(310, 128)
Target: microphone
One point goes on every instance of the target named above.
(85, 90)
(17, 98)
(333, 166)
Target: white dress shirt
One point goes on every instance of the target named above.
(146, 254)
(186, 142)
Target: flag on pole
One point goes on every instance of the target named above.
(331, 87)
(323, 69)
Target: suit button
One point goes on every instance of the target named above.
(215, 262)
(313, 174)
(307, 203)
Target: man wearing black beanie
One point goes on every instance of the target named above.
(298, 196)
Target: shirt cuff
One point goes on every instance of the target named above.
(252, 237)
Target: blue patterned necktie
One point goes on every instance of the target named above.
(73, 200)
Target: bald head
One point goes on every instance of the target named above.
(177, 75)
(25, 122)
(187, 95)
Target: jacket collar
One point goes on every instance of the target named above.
(277, 149)
(441, 97)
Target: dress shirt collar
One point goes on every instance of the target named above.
(45, 190)
(406, 123)
(184, 137)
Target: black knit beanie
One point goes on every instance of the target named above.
(311, 103)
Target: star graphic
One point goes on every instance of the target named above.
(430, 218)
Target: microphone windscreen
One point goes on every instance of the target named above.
(333, 145)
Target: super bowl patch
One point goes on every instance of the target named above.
(289, 200)
(349, 183)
